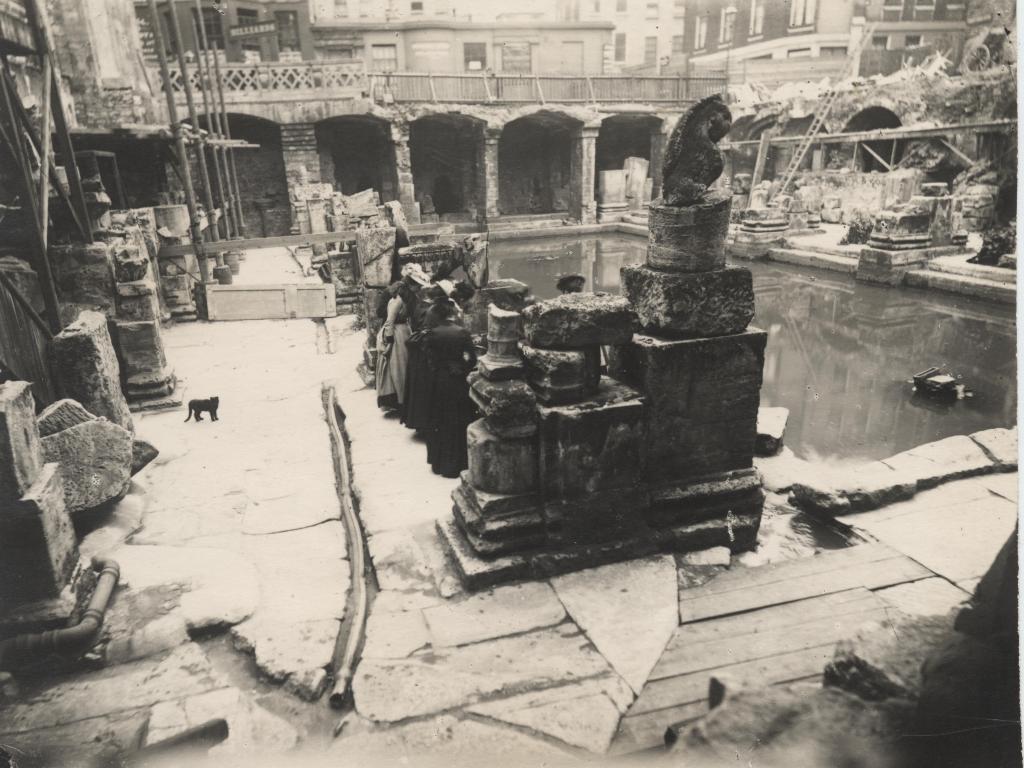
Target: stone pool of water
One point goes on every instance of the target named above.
(840, 353)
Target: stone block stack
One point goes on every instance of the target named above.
(762, 227)
(699, 369)
(40, 552)
(177, 273)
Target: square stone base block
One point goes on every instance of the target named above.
(495, 538)
(890, 267)
(755, 245)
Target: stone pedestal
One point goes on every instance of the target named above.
(508, 406)
(760, 230)
(562, 376)
(507, 294)
(147, 375)
(506, 465)
(890, 266)
(86, 368)
(376, 250)
(611, 195)
(691, 238)
(85, 273)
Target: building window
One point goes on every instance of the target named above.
(252, 51)
(833, 52)
(168, 37)
(650, 51)
(340, 9)
(892, 10)
(880, 42)
(475, 56)
(801, 12)
(652, 10)
(620, 46)
(679, 9)
(287, 30)
(621, 6)
(700, 32)
(756, 17)
(954, 12)
(912, 41)
(416, 7)
(678, 46)
(924, 10)
(384, 58)
(516, 58)
(798, 53)
(212, 26)
(726, 23)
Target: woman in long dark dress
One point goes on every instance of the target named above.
(451, 356)
(416, 412)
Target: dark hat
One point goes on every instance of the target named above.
(567, 282)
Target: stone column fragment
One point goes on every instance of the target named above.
(21, 457)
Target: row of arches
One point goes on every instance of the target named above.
(535, 161)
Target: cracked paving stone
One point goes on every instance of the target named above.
(584, 714)
(393, 634)
(628, 610)
(219, 587)
(447, 741)
(296, 654)
(389, 690)
(499, 612)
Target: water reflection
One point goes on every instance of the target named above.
(840, 353)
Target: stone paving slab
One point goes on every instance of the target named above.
(443, 679)
(497, 613)
(629, 611)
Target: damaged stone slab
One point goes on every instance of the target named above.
(96, 461)
(390, 690)
(900, 477)
(771, 430)
(576, 320)
(496, 613)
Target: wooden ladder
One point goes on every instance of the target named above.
(821, 113)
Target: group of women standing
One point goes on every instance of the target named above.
(424, 356)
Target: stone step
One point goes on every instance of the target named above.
(816, 259)
(955, 265)
(505, 224)
(809, 244)
(979, 288)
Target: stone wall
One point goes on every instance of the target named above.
(534, 169)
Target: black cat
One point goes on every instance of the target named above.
(196, 408)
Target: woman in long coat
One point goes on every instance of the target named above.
(392, 356)
(417, 408)
(451, 356)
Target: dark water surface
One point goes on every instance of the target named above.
(840, 353)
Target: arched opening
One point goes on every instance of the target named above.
(880, 155)
(356, 153)
(262, 184)
(444, 152)
(747, 128)
(534, 157)
(622, 136)
(782, 154)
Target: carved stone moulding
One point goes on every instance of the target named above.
(689, 238)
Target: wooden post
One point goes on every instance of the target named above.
(212, 122)
(193, 117)
(762, 158)
(44, 151)
(179, 141)
(230, 162)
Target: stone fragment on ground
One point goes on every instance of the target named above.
(142, 454)
(61, 415)
(447, 740)
(251, 728)
(771, 430)
(389, 690)
(799, 724)
(883, 660)
(940, 461)
(496, 613)
(576, 320)
(628, 610)
(584, 715)
(292, 652)
(96, 460)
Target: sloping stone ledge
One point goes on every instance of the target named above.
(900, 477)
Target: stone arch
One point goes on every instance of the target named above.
(891, 150)
(262, 183)
(629, 135)
(356, 153)
(535, 163)
(444, 154)
(748, 128)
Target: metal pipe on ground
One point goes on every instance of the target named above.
(345, 667)
(74, 640)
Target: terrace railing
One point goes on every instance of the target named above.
(332, 80)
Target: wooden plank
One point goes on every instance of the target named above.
(725, 627)
(711, 654)
(253, 243)
(992, 126)
(270, 302)
(648, 731)
(868, 565)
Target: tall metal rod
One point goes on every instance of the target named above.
(239, 218)
(193, 116)
(203, 67)
(44, 151)
(179, 142)
(16, 147)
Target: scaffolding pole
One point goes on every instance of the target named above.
(233, 171)
(179, 143)
(193, 117)
(212, 125)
